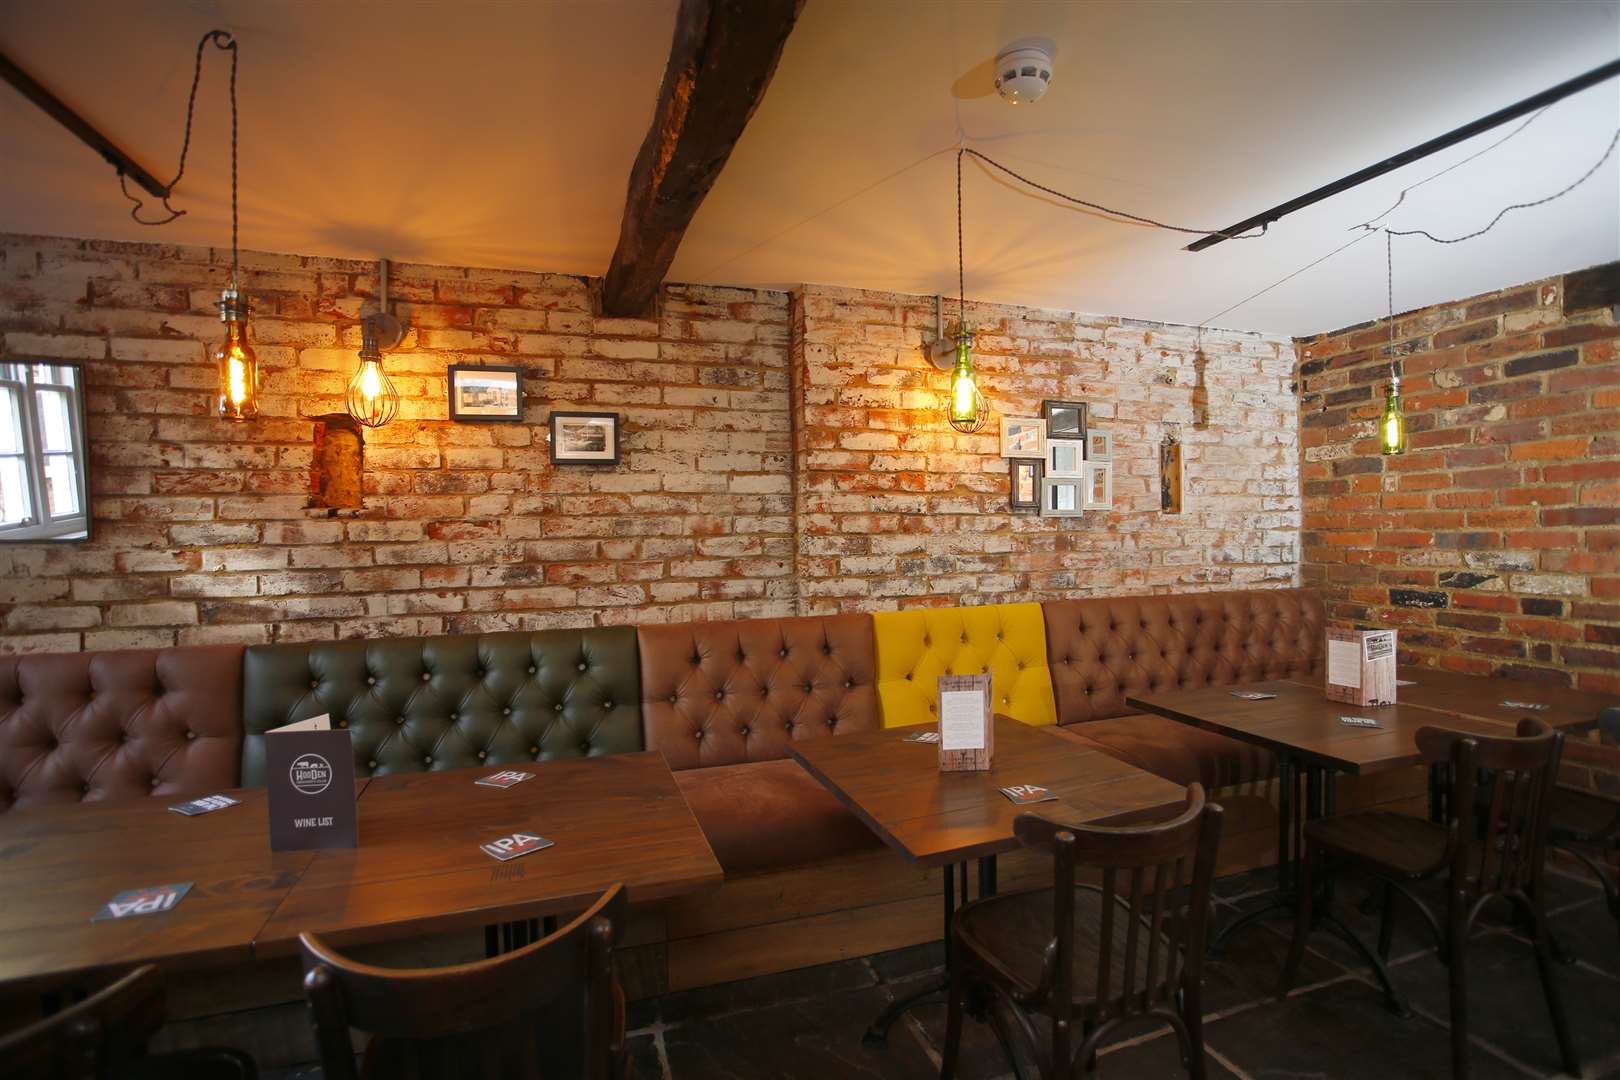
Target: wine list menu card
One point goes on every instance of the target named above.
(310, 771)
(966, 730)
(1361, 666)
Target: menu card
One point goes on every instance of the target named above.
(966, 728)
(1361, 666)
(311, 786)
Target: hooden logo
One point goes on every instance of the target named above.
(310, 774)
(510, 847)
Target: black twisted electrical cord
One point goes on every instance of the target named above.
(223, 40)
(1110, 211)
(961, 273)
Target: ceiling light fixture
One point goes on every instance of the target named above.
(967, 410)
(1392, 425)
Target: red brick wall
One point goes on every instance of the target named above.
(1492, 543)
(203, 530)
(895, 509)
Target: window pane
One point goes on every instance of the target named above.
(14, 372)
(10, 421)
(55, 430)
(55, 375)
(61, 485)
(13, 491)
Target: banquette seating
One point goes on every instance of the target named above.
(720, 700)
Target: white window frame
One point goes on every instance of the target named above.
(42, 526)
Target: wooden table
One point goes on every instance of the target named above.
(418, 869)
(617, 818)
(943, 819)
(1302, 729)
(61, 863)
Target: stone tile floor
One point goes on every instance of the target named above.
(808, 1023)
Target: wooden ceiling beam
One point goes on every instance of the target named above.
(722, 59)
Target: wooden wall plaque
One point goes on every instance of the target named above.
(1170, 476)
(966, 725)
(1361, 666)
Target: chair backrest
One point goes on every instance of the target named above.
(1499, 806)
(504, 1018)
(1154, 897)
(95, 1038)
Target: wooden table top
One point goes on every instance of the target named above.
(419, 867)
(935, 818)
(1302, 723)
(1483, 697)
(61, 863)
(617, 818)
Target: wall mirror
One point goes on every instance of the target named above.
(44, 494)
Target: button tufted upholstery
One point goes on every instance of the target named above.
(1007, 641)
(722, 700)
(109, 725)
(721, 693)
(420, 704)
(1103, 649)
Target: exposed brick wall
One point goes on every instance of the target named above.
(1492, 543)
(896, 509)
(203, 530)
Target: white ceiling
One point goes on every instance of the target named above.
(501, 134)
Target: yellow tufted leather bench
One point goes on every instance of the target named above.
(1007, 641)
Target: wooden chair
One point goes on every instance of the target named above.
(1493, 846)
(105, 1036)
(551, 1009)
(1586, 813)
(1091, 957)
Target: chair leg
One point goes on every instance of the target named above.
(1192, 1018)
(1302, 922)
(1386, 923)
(955, 995)
(1457, 968)
(1546, 965)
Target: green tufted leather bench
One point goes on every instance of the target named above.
(420, 704)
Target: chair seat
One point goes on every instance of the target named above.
(763, 815)
(1176, 751)
(1011, 933)
(1581, 815)
(1399, 842)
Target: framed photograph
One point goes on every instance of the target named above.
(1064, 419)
(1025, 476)
(1023, 437)
(1099, 445)
(1065, 457)
(486, 393)
(1062, 497)
(1099, 485)
(584, 438)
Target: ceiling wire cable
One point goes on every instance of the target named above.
(1371, 223)
(1108, 210)
(1516, 206)
(224, 41)
(1289, 277)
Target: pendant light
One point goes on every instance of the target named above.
(1392, 425)
(372, 398)
(966, 409)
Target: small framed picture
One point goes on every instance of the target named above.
(1099, 445)
(1062, 497)
(486, 393)
(1023, 437)
(1064, 419)
(1065, 457)
(1025, 476)
(1099, 485)
(584, 438)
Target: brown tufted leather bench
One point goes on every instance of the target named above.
(722, 700)
(1101, 650)
(110, 725)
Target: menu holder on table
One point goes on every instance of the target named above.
(311, 786)
(966, 727)
(1361, 666)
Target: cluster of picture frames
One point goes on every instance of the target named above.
(493, 394)
(1059, 465)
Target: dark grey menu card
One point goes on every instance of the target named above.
(311, 782)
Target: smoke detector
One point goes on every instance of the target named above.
(1024, 70)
